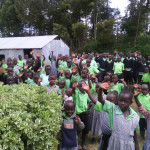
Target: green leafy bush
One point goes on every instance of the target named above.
(29, 118)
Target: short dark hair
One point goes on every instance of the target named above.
(127, 92)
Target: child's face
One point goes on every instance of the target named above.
(52, 80)
(10, 71)
(88, 62)
(15, 61)
(110, 57)
(26, 56)
(144, 89)
(10, 64)
(62, 84)
(69, 109)
(112, 98)
(3, 61)
(36, 78)
(84, 74)
(118, 59)
(69, 63)
(29, 62)
(67, 74)
(93, 79)
(114, 78)
(68, 92)
(10, 80)
(74, 70)
(20, 57)
(124, 102)
(80, 86)
(106, 78)
(146, 70)
(48, 70)
(30, 75)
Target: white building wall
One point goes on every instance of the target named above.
(12, 53)
(58, 46)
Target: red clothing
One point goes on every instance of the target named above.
(144, 112)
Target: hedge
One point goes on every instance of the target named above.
(29, 118)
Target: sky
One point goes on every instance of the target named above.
(120, 4)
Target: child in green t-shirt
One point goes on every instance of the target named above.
(118, 68)
(146, 76)
(61, 87)
(117, 85)
(81, 100)
(144, 99)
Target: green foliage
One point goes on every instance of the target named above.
(10, 25)
(105, 34)
(29, 118)
(60, 30)
(79, 32)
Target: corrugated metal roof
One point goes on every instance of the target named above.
(29, 42)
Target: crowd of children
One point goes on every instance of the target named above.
(97, 91)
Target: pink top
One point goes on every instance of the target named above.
(144, 112)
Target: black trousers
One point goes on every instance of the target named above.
(143, 124)
(128, 76)
(85, 119)
(104, 142)
(135, 76)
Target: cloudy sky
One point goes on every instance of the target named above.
(120, 4)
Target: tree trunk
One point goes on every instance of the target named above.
(138, 23)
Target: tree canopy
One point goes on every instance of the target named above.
(82, 24)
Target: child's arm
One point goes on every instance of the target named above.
(25, 71)
(136, 99)
(89, 81)
(104, 86)
(80, 124)
(57, 61)
(31, 53)
(100, 97)
(141, 109)
(124, 83)
(87, 89)
(74, 85)
(76, 63)
(136, 141)
(43, 56)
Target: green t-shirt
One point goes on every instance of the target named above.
(146, 77)
(4, 66)
(92, 70)
(30, 81)
(117, 87)
(59, 92)
(145, 101)
(83, 62)
(76, 77)
(67, 85)
(93, 89)
(81, 101)
(62, 66)
(110, 109)
(118, 67)
(20, 62)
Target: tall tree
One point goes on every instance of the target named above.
(10, 25)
